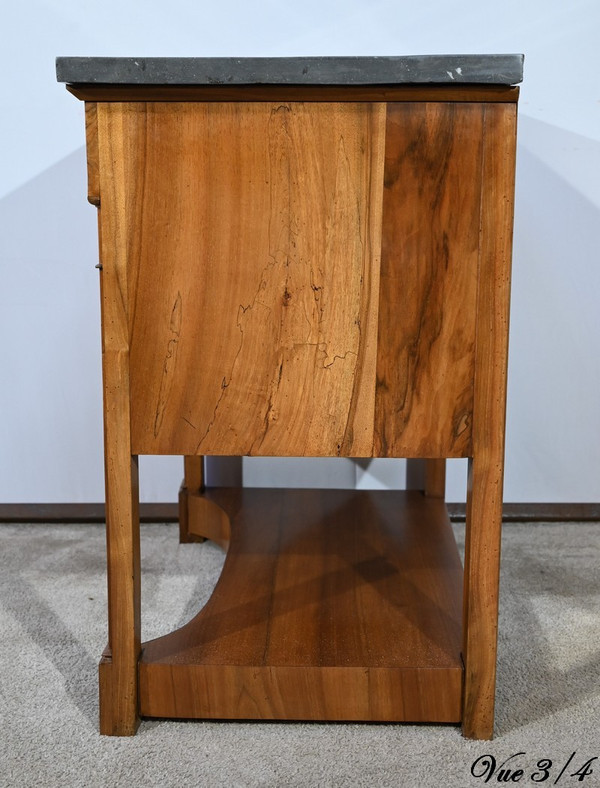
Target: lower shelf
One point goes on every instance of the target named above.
(332, 605)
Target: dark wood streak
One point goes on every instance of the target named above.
(424, 388)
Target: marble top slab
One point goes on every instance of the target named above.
(401, 70)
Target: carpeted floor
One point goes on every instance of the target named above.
(52, 620)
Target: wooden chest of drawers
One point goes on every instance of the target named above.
(306, 257)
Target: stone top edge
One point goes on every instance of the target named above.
(356, 70)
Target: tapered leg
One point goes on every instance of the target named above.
(486, 468)
(118, 667)
(118, 671)
(480, 601)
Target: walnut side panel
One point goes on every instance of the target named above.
(428, 283)
(255, 252)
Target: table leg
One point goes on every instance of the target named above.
(427, 475)
(480, 603)
(435, 478)
(486, 466)
(193, 484)
(118, 667)
(118, 670)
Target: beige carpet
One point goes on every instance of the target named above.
(52, 620)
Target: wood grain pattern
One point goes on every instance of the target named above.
(428, 280)
(331, 605)
(118, 668)
(260, 339)
(300, 693)
(486, 468)
(325, 93)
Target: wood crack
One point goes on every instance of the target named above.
(169, 363)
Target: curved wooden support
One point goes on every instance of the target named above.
(208, 520)
(199, 517)
(332, 605)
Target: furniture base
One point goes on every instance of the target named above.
(332, 605)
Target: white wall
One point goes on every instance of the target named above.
(50, 404)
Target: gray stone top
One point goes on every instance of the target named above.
(404, 70)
